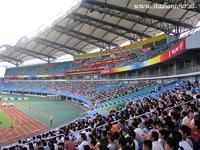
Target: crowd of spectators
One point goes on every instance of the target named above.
(170, 122)
(87, 89)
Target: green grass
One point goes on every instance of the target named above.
(62, 111)
(5, 120)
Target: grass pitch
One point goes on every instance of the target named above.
(5, 120)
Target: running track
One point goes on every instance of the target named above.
(25, 127)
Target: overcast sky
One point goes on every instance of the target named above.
(26, 17)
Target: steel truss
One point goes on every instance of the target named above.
(84, 37)
(160, 23)
(129, 34)
(59, 47)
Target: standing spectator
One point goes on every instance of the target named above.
(84, 142)
(147, 145)
(186, 135)
(154, 138)
(163, 135)
(111, 143)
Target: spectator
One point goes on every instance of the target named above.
(147, 145)
(163, 135)
(182, 143)
(111, 143)
(68, 144)
(84, 142)
(154, 138)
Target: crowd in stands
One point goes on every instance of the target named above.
(147, 55)
(87, 89)
(120, 59)
(170, 122)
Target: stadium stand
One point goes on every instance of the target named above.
(170, 116)
(92, 90)
(142, 96)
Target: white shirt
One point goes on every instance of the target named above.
(81, 146)
(185, 120)
(139, 135)
(136, 145)
(156, 146)
(185, 145)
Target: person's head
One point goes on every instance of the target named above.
(66, 138)
(160, 126)
(172, 144)
(177, 135)
(83, 137)
(61, 146)
(197, 122)
(40, 148)
(121, 142)
(25, 148)
(191, 114)
(154, 136)
(111, 139)
(164, 134)
(185, 131)
(129, 141)
(93, 143)
(124, 131)
(155, 124)
(30, 145)
(103, 134)
(147, 145)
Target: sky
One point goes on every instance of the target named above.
(21, 18)
(26, 17)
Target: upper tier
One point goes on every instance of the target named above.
(124, 60)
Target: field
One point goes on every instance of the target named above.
(5, 120)
(31, 117)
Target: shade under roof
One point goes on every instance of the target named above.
(102, 24)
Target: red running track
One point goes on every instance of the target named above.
(25, 127)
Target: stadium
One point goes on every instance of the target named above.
(132, 82)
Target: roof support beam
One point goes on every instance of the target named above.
(60, 47)
(84, 37)
(150, 20)
(110, 27)
(13, 61)
(35, 54)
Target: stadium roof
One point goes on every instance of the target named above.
(102, 24)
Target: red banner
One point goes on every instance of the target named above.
(174, 51)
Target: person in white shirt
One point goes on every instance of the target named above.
(111, 144)
(172, 144)
(177, 135)
(154, 138)
(84, 142)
